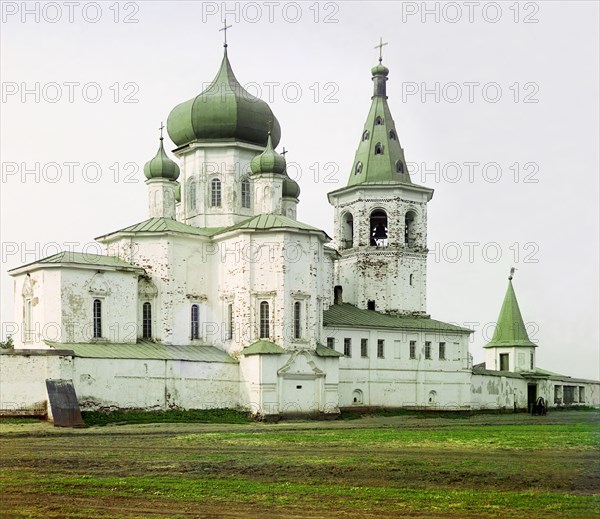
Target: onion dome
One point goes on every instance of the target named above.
(380, 70)
(161, 166)
(224, 111)
(269, 161)
(290, 188)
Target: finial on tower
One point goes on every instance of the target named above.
(162, 127)
(512, 273)
(380, 47)
(224, 29)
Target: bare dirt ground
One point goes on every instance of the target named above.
(373, 467)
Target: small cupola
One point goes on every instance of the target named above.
(269, 161)
(161, 166)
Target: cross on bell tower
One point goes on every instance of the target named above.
(224, 30)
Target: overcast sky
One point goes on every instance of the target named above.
(498, 102)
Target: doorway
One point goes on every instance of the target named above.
(531, 396)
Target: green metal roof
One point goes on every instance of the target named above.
(81, 258)
(161, 225)
(271, 221)
(510, 329)
(379, 134)
(161, 166)
(347, 315)
(224, 111)
(144, 350)
(324, 351)
(262, 347)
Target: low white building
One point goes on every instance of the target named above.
(221, 298)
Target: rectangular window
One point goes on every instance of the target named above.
(568, 394)
(427, 350)
(442, 351)
(264, 320)
(215, 192)
(297, 320)
(504, 362)
(246, 194)
(412, 354)
(380, 348)
(195, 323)
(364, 347)
(531, 361)
(230, 321)
(348, 347)
(582, 394)
(331, 343)
(28, 322)
(558, 394)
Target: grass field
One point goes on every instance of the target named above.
(481, 466)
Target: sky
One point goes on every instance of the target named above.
(496, 107)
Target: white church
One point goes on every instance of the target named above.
(221, 298)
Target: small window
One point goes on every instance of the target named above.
(364, 347)
(504, 362)
(97, 318)
(378, 120)
(358, 168)
(348, 347)
(412, 354)
(331, 343)
(195, 322)
(215, 192)
(427, 350)
(28, 335)
(410, 280)
(442, 351)
(297, 320)
(531, 361)
(264, 320)
(337, 295)
(230, 321)
(378, 149)
(370, 305)
(399, 167)
(392, 135)
(365, 136)
(192, 194)
(582, 394)
(146, 320)
(246, 194)
(357, 396)
(558, 394)
(380, 348)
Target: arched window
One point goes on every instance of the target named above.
(378, 120)
(392, 135)
(192, 194)
(432, 399)
(147, 320)
(215, 192)
(97, 318)
(246, 194)
(297, 320)
(378, 149)
(195, 322)
(264, 320)
(379, 229)
(409, 229)
(347, 231)
(365, 136)
(357, 396)
(358, 168)
(399, 167)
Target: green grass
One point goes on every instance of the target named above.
(173, 416)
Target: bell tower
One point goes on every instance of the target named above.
(380, 219)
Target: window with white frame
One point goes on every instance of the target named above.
(427, 350)
(297, 320)
(246, 194)
(412, 353)
(147, 320)
(97, 318)
(331, 343)
(364, 347)
(215, 192)
(442, 350)
(265, 331)
(380, 348)
(195, 322)
(348, 347)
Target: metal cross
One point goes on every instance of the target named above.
(380, 47)
(224, 29)
(284, 151)
(162, 126)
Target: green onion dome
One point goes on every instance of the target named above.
(161, 166)
(225, 112)
(290, 189)
(380, 70)
(269, 161)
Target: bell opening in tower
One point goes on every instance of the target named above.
(379, 229)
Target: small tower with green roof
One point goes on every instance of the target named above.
(162, 173)
(380, 218)
(510, 348)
